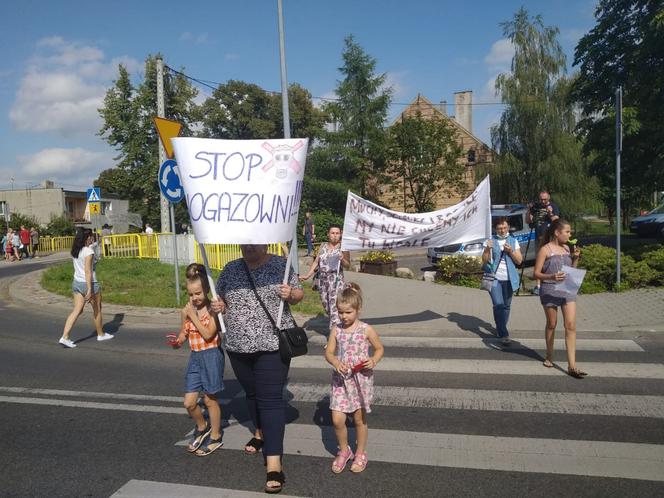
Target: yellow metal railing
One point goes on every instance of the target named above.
(55, 244)
(219, 255)
(141, 245)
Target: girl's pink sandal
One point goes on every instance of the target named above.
(341, 460)
(360, 462)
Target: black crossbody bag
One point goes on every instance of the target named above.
(292, 341)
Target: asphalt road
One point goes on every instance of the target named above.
(106, 416)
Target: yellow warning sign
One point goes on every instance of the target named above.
(167, 129)
(95, 207)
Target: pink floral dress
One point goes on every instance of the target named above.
(352, 391)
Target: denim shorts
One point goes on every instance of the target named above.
(205, 372)
(554, 301)
(82, 287)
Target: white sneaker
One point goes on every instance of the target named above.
(67, 343)
(105, 337)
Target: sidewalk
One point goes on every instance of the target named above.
(402, 307)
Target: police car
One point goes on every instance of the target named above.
(516, 217)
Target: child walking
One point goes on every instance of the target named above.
(205, 371)
(347, 351)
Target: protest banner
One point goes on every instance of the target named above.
(368, 226)
(242, 191)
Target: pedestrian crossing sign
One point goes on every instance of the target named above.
(94, 194)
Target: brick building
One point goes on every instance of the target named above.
(475, 152)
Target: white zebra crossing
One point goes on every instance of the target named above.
(498, 367)
(482, 343)
(137, 488)
(624, 405)
(529, 455)
(550, 456)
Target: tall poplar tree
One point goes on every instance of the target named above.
(127, 113)
(534, 140)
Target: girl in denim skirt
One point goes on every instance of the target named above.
(205, 371)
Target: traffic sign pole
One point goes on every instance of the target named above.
(175, 255)
(168, 179)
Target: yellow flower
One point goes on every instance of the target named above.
(377, 257)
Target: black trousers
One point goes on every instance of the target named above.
(263, 377)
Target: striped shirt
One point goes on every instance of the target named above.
(196, 340)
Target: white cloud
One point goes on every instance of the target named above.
(489, 90)
(395, 80)
(63, 87)
(57, 102)
(65, 53)
(497, 61)
(108, 71)
(198, 39)
(75, 166)
(231, 57)
(499, 58)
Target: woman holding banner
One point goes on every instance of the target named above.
(330, 262)
(249, 288)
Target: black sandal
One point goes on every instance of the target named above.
(254, 443)
(198, 438)
(210, 446)
(277, 477)
(576, 373)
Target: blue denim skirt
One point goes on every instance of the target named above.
(205, 372)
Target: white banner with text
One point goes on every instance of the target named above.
(368, 226)
(242, 191)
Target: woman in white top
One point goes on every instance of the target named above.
(85, 287)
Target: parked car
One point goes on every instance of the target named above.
(649, 225)
(516, 217)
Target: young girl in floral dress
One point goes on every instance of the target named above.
(352, 380)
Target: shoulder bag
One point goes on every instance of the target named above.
(292, 341)
(490, 276)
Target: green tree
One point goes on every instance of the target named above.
(425, 157)
(624, 48)
(59, 226)
(306, 121)
(356, 149)
(127, 113)
(242, 111)
(238, 111)
(18, 219)
(534, 140)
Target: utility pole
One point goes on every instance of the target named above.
(161, 112)
(284, 79)
(618, 152)
(292, 255)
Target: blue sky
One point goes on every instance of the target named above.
(59, 57)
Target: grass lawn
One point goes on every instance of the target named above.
(146, 282)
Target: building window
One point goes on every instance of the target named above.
(471, 155)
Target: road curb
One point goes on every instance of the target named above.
(452, 310)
